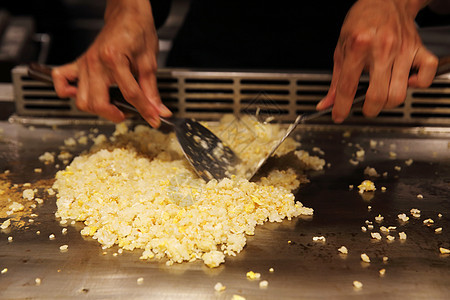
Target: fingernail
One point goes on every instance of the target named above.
(319, 105)
(154, 122)
(164, 110)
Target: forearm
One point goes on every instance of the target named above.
(139, 7)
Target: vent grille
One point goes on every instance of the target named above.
(206, 95)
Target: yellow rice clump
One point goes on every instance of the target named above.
(138, 191)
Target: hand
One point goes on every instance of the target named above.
(126, 46)
(379, 36)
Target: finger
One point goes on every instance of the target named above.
(62, 78)
(98, 97)
(399, 81)
(328, 100)
(148, 83)
(133, 92)
(377, 93)
(426, 63)
(352, 67)
(83, 89)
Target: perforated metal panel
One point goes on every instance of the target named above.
(206, 95)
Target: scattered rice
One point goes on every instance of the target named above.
(379, 218)
(47, 158)
(360, 153)
(365, 258)
(375, 235)
(444, 250)
(343, 250)
(28, 194)
(428, 222)
(219, 287)
(384, 229)
(70, 142)
(263, 284)
(403, 217)
(402, 235)
(371, 172)
(409, 162)
(415, 212)
(353, 162)
(319, 239)
(253, 275)
(357, 284)
(5, 224)
(366, 186)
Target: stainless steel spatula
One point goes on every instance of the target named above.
(208, 155)
(299, 120)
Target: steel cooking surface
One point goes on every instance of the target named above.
(302, 268)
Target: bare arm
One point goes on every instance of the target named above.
(379, 36)
(124, 53)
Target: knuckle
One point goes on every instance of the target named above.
(108, 54)
(361, 40)
(375, 98)
(431, 61)
(389, 41)
(130, 93)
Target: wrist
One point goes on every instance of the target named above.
(138, 7)
(412, 7)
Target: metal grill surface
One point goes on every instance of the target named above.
(207, 95)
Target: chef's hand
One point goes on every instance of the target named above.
(126, 46)
(378, 36)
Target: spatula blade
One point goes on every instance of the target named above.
(209, 156)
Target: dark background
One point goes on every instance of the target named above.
(73, 24)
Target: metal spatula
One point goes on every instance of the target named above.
(208, 155)
(299, 120)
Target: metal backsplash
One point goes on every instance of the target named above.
(207, 95)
